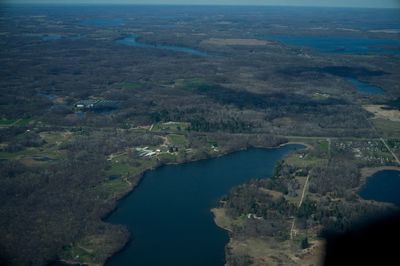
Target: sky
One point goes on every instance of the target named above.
(334, 3)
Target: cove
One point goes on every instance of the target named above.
(382, 186)
(132, 41)
(169, 213)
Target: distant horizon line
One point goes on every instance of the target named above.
(194, 5)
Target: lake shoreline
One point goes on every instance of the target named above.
(213, 156)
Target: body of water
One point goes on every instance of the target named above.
(132, 41)
(383, 186)
(342, 45)
(169, 213)
(364, 87)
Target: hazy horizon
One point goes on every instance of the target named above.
(305, 3)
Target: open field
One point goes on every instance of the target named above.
(380, 112)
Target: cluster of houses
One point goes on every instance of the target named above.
(371, 151)
(146, 152)
(96, 104)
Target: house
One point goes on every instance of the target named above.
(86, 104)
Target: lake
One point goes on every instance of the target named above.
(364, 87)
(342, 45)
(382, 186)
(169, 213)
(132, 41)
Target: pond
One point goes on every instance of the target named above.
(364, 87)
(383, 186)
(132, 41)
(169, 213)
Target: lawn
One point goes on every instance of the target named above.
(7, 122)
(128, 85)
(308, 161)
(78, 254)
(178, 140)
(190, 84)
(4, 122)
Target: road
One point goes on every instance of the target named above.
(292, 229)
(390, 150)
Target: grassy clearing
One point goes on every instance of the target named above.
(30, 152)
(55, 138)
(4, 122)
(389, 128)
(130, 85)
(178, 140)
(323, 145)
(78, 254)
(262, 250)
(320, 96)
(224, 221)
(124, 166)
(7, 122)
(307, 161)
(190, 84)
(23, 122)
(111, 188)
(171, 126)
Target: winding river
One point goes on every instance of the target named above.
(169, 213)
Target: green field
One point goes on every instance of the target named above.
(178, 140)
(4, 122)
(190, 84)
(295, 160)
(389, 128)
(128, 85)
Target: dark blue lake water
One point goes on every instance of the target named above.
(132, 41)
(364, 87)
(383, 186)
(342, 45)
(169, 213)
